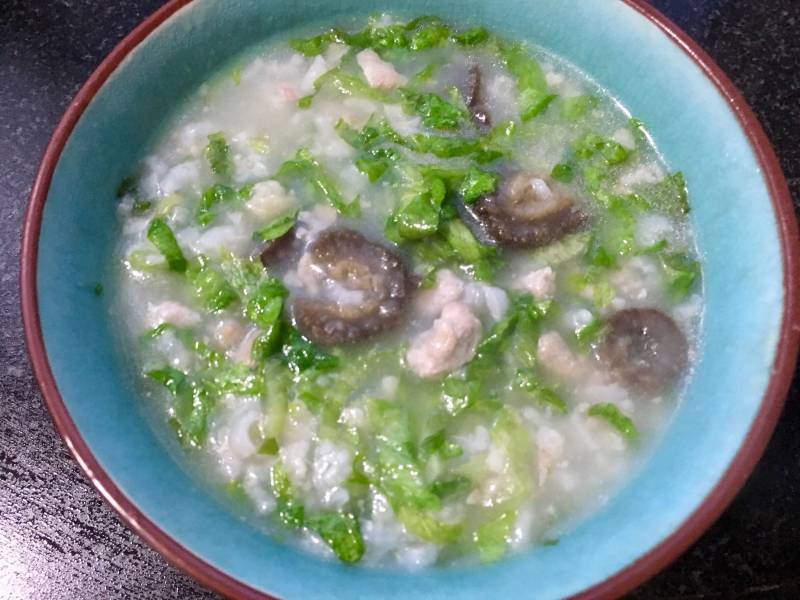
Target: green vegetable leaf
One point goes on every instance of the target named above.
(681, 272)
(492, 537)
(397, 472)
(612, 152)
(670, 195)
(418, 215)
(563, 172)
(458, 394)
(639, 130)
(216, 194)
(534, 96)
(276, 228)
(140, 207)
(590, 334)
(576, 107)
(438, 444)
(161, 236)
(317, 44)
(191, 406)
(426, 527)
(265, 306)
(436, 112)
(471, 37)
(476, 184)
(457, 485)
(218, 154)
(525, 381)
(127, 186)
(300, 354)
(210, 285)
(308, 168)
(341, 532)
(616, 418)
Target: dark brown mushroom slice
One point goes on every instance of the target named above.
(281, 250)
(473, 96)
(644, 349)
(525, 212)
(356, 263)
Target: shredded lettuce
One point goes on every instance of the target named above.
(300, 353)
(526, 381)
(534, 96)
(681, 272)
(214, 292)
(612, 415)
(670, 195)
(563, 172)
(611, 151)
(576, 107)
(426, 527)
(435, 111)
(216, 194)
(218, 154)
(161, 236)
(307, 168)
(419, 34)
(448, 487)
(340, 530)
(191, 406)
(276, 228)
(493, 536)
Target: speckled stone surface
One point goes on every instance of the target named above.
(58, 540)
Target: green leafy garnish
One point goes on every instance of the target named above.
(210, 285)
(300, 354)
(127, 186)
(307, 168)
(191, 406)
(576, 107)
(563, 172)
(341, 532)
(435, 111)
(616, 418)
(161, 236)
(611, 151)
(216, 194)
(276, 228)
(218, 154)
(426, 527)
(534, 96)
(525, 381)
(493, 536)
(140, 207)
(670, 195)
(681, 272)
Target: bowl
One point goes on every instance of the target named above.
(745, 229)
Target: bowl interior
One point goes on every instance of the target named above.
(693, 126)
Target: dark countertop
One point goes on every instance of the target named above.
(58, 539)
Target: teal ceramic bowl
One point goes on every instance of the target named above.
(745, 228)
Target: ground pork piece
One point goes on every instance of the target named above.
(541, 283)
(171, 312)
(378, 72)
(557, 358)
(270, 200)
(448, 288)
(449, 344)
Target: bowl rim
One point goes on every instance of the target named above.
(617, 584)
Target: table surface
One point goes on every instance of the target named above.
(58, 539)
